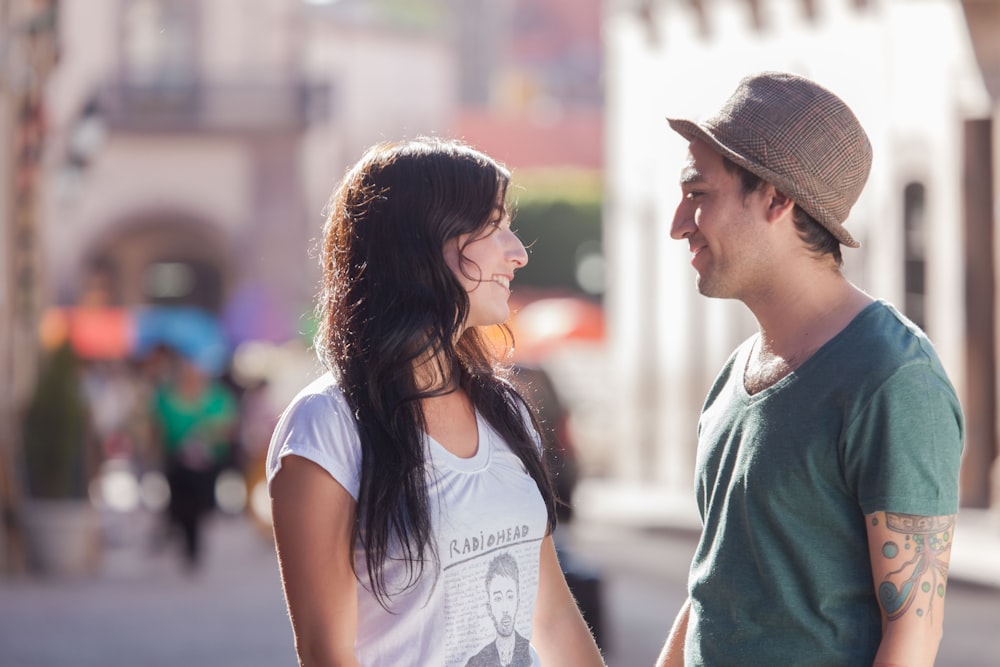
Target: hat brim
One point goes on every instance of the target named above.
(693, 131)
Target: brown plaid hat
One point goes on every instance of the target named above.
(797, 136)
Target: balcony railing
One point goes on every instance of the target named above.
(201, 106)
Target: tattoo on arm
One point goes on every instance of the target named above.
(921, 548)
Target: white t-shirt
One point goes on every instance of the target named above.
(481, 508)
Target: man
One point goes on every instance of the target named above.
(503, 596)
(829, 445)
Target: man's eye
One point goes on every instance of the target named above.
(693, 195)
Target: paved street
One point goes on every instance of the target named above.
(143, 610)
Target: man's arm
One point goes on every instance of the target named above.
(909, 557)
(672, 654)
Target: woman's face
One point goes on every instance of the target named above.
(484, 262)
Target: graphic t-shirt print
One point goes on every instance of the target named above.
(492, 581)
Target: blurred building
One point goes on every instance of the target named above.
(922, 77)
(531, 85)
(194, 144)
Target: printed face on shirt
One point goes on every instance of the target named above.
(485, 263)
(503, 603)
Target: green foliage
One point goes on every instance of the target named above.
(558, 218)
(55, 430)
(556, 184)
(425, 15)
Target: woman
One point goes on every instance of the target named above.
(400, 475)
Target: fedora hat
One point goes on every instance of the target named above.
(797, 136)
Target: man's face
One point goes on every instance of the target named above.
(718, 222)
(503, 604)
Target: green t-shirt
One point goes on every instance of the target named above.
(206, 421)
(782, 574)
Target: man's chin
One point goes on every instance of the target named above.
(710, 290)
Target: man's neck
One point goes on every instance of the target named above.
(795, 323)
(806, 314)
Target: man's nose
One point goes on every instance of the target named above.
(683, 224)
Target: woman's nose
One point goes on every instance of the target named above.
(516, 252)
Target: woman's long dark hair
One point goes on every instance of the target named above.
(390, 302)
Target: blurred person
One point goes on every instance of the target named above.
(258, 417)
(503, 595)
(829, 444)
(111, 393)
(585, 581)
(412, 460)
(153, 372)
(194, 416)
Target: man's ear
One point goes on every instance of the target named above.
(778, 204)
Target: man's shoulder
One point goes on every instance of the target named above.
(885, 353)
(882, 337)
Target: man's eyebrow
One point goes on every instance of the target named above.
(690, 175)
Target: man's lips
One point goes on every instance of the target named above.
(696, 252)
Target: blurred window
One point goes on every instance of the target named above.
(160, 41)
(915, 248)
(169, 280)
(187, 282)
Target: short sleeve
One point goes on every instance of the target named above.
(318, 426)
(904, 448)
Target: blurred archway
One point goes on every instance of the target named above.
(159, 258)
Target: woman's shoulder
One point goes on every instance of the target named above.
(319, 425)
(320, 409)
(323, 393)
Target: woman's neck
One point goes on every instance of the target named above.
(433, 375)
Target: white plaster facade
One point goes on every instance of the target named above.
(907, 69)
